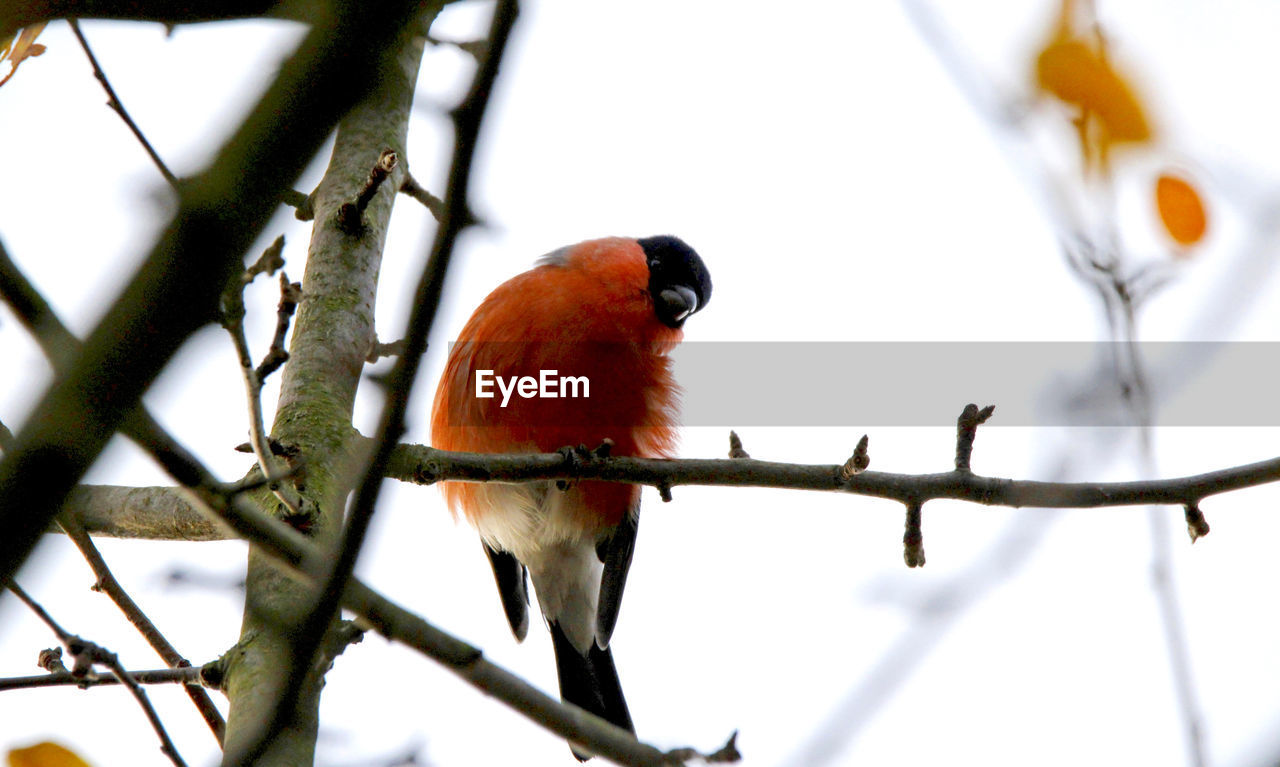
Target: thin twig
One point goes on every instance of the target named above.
(467, 118)
(290, 197)
(859, 461)
(188, 676)
(967, 430)
(233, 312)
(913, 538)
(303, 204)
(380, 350)
(277, 355)
(351, 214)
(87, 654)
(415, 190)
(117, 106)
(107, 583)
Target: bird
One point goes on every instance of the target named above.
(608, 311)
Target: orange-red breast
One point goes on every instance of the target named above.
(607, 311)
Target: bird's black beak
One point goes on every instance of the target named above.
(675, 304)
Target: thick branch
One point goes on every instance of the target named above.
(151, 513)
(162, 513)
(467, 118)
(332, 335)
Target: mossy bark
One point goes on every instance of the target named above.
(332, 335)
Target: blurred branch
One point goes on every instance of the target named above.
(87, 654)
(15, 14)
(107, 583)
(1096, 256)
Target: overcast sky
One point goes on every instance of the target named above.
(840, 187)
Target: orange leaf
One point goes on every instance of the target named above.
(45, 755)
(1077, 74)
(1181, 209)
(23, 48)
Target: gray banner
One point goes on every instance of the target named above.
(927, 384)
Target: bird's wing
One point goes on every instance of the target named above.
(513, 587)
(615, 552)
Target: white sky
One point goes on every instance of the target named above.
(840, 188)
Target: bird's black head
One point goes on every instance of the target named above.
(678, 280)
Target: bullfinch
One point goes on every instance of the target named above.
(601, 315)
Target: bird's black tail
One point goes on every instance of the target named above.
(590, 683)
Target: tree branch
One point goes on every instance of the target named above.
(15, 14)
(425, 465)
(87, 654)
(176, 290)
(117, 106)
(189, 676)
(107, 583)
(467, 118)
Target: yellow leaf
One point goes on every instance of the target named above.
(1181, 209)
(1078, 74)
(17, 51)
(45, 755)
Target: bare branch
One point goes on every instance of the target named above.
(351, 214)
(424, 465)
(107, 583)
(1197, 527)
(967, 430)
(295, 551)
(467, 118)
(233, 313)
(87, 654)
(415, 190)
(117, 106)
(290, 295)
(380, 350)
(858, 462)
(270, 262)
(189, 676)
(913, 538)
(146, 513)
(176, 291)
(303, 204)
